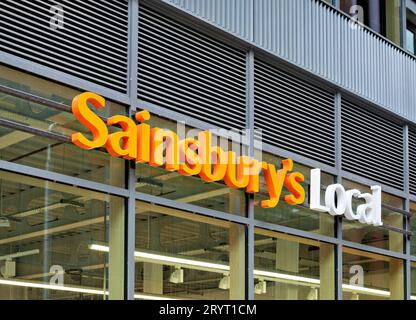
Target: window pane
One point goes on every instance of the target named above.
(410, 41)
(37, 86)
(294, 216)
(39, 152)
(367, 276)
(186, 256)
(46, 233)
(24, 147)
(389, 236)
(413, 228)
(292, 268)
(413, 281)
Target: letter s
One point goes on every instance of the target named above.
(292, 183)
(90, 120)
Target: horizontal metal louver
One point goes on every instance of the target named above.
(294, 115)
(92, 45)
(188, 72)
(412, 161)
(372, 146)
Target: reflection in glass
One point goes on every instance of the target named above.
(292, 268)
(368, 276)
(186, 256)
(46, 230)
(192, 190)
(389, 236)
(299, 216)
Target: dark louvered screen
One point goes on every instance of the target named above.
(372, 146)
(412, 161)
(294, 115)
(92, 44)
(188, 72)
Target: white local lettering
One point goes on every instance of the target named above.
(368, 212)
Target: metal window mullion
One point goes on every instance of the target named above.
(406, 218)
(407, 263)
(338, 220)
(61, 178)
(130, 221)
(250, 198)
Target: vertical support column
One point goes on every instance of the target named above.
(338, 219)
(287, 259)
(237, 247)
(130, 221)
(374, 16)
(237, 259)
(153, 273)
(153, 278)
(249, 292)
(116, 236)
(130, 234)
(403, 23)
(396, 272)
(393, 23)
(406, 220)
(327, 271)
(116, 254)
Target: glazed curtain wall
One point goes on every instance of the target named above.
(198, 222)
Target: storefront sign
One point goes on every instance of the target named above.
(338, 201)
(197, 156)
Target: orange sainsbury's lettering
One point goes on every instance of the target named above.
(90, 120)
(254, 172)
(292, 183)
(143, 137)
(213, 159)
(157, 137)
(275, 181)
(190, 162)
(190, 157)
(122, 143)
(237, 176)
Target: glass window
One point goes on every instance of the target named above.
(294, 216)
(413, 228)
(187, 189)
(292, 268)
(53, 91)
(410, 41)
(368, 276)
(180, 255)
(413, 281)
(383, 16)
(46, 235)
(389, 236)
(24, 147)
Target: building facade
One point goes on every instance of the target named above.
(328, 84)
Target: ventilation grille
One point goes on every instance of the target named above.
(412, 161)
(188, 72)
(92, 44)
(372, 146)
(294, 115)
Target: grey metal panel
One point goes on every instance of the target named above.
(321, 40)
(294, 115)
(231, 15)
(186, 71)
(92, 44)
(412, 161)
(372, 146)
